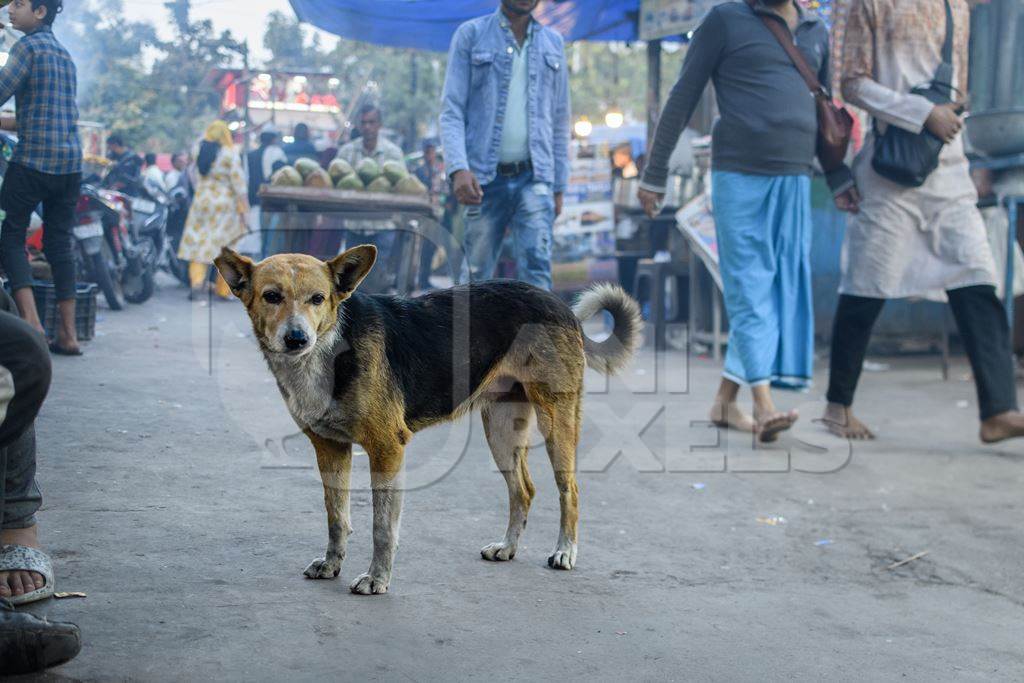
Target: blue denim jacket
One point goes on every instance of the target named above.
(476, 92)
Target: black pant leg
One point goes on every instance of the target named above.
(851, 332)
(981, 319)
(59, 216)
(19, 197)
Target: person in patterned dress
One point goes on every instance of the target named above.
(218, 214)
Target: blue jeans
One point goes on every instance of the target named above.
(528, 208)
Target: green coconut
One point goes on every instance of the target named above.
(350, 182)
(368, 170)
(379, 184)
(340, 168)
(286, 176)
(395, 171)
(305, 166)
(410, 185)
(318, 178)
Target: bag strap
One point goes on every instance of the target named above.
(947, 45)
(785, 38)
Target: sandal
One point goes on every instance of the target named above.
(29, 644)
(58, 350)
(19, 558)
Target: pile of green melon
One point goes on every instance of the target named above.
(367, 176)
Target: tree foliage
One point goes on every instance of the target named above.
(151, 91)
(158, 95)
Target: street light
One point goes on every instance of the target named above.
(583, 127)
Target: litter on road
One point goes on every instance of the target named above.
(912, 558)
(773, 520)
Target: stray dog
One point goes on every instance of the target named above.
(373, 370)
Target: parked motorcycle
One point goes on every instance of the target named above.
(178, 215)
(136, 259)
(153, 213)
(100, 236)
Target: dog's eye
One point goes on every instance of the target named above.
(272, 297)
(316, 299)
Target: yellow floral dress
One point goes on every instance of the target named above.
(214, 220)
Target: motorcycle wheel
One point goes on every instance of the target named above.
(138, 288)
(101, 276)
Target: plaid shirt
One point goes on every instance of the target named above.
(41, 77)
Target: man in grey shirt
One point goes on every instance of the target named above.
(762, 158)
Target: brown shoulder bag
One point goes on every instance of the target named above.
(835, 125)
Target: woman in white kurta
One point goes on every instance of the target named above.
(928, 241)
(217, 216)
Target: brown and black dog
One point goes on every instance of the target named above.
(373, 370)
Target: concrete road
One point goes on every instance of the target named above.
(179, 501)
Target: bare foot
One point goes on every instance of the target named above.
(13, 584)
(728, 415)
(771, 424)
(1003, 426)
(841, 421)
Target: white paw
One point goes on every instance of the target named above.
(369, 585)
(563, 558)
(322, 568)
(498, 552)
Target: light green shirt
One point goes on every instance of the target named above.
(515, 134)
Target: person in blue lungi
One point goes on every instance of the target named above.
(763, 148)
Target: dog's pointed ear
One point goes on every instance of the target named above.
(236, 270)
(350, 267)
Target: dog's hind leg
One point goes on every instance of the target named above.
(388, 489)
(560, 424)
(507, 425)
(335, 463)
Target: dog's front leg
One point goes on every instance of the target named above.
(335, 462)
(387, 482)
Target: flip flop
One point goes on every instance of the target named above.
(58, 350)
(19, 558)
(769, 431)
(29, 644)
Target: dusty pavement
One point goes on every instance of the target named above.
(170, 502)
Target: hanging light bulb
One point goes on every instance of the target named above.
(614, 118)
(583, 127)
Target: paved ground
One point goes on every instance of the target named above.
(171, 502)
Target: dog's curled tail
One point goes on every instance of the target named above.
(612, 354)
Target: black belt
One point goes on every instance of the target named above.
(515, 169)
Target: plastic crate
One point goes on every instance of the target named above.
(85, 308)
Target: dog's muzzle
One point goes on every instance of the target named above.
(295, 339)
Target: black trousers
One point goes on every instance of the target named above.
(24, 381)
(983, 328)
(23, 190)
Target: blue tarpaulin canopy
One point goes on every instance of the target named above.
(430, 24)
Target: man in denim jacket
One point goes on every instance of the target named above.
(505, 128)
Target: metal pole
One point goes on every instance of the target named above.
(1013, 203)
(413, 89)
(653, 90)
(247, 80)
